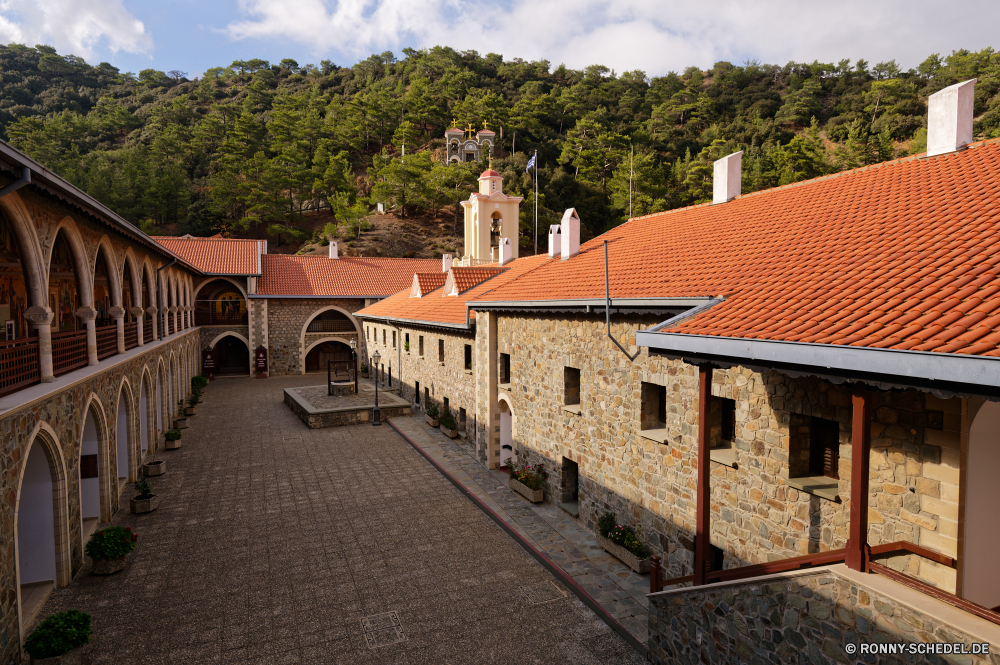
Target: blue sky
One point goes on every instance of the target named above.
(654, 36)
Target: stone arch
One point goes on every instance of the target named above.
(302, 334)
(111, 261)
(219, 366)
(33, 267)
(147, 405)
(133, 275)
(39, 506)
(508, 427)
(162, 423)
(125, 427)
(229, 333)
(96, 442)
(79, 255)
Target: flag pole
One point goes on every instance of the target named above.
(536, 202)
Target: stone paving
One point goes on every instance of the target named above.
(276, 543)
(560, 536)
(319, 399)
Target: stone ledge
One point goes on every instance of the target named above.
(660, 435)
(573, 408)
(726, 456)
(821, 486)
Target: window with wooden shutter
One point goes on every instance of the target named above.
(824, 448)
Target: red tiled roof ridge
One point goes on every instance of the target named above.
(205, 238)
(521, 276)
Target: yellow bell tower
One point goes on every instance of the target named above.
(489, 216)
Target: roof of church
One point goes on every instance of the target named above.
(348, 276)
(489, 174)
(216, 255)
(899, 255)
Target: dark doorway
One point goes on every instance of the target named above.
(569, 487)
(232, 356)
(317, 358)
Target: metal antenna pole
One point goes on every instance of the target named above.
(536, 202)
(607, 307)
(630, 172)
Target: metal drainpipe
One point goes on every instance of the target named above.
(25, 179)
(159, 296)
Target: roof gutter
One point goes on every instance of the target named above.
(416, 322)
(316, 297)
(25, 179)
(599, 303)
(926, 370)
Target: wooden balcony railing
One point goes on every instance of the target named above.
(203, 318)
(131, 335)
(107, 341)
(331, 325)
(147, 330)
(69, 351)
(170, 324)
(19, 364)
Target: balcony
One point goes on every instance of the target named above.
(19, 364)
(69, 351)
(107, 341)
(202, 318)
(131, 335)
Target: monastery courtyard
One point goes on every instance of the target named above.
(275, 543)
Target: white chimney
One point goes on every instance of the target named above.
(555, 240)
(949, 118)
(505, 251)
(727, 178)
(333, 251)
(570, 233)
(446, 263)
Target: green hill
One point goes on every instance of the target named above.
(249, 149)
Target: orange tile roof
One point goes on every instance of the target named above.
(427, 282)
(900, 255)
(466, 278)
(367, 277)
(440, 308)
(216, 255)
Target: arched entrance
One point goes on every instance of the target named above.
(121, 438)
(90, 471)
(143, 418)
(980, 573)
(159, 402)
(506, 433)
(220, 303)
(319, 355)
(231, 356)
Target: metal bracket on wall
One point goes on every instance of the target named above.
(607, 308)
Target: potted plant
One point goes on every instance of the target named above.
(199, 382)
(527, 480)
(192, 403)
(623, 542)
(406, 346)
(173, 438)
(110, 549)
(146, 502)
(55, 638)
(154, 468)
(448, 427)
(180, 422)
(364, 371)
(431, 415)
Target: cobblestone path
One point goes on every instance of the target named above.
(275, 543)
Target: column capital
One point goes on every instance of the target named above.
(86, 313)
(151, 310)
(117, 312)
(136, 311)
(38, 315)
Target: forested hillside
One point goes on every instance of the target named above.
(249, 148)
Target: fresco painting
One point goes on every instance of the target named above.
(13, 294)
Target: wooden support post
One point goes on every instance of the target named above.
(654, 574)
(704, 491)
(857, 542)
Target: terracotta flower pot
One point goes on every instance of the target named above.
(154, 468)
(147, 505)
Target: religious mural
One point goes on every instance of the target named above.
(63, 296)
(102, 292)
(13, 295)
(229, 303)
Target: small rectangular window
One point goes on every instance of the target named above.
(416, 392)
(406, 341)
(383, 336)
(468, 356)
(394, 339)
(440, 350)
(716, 558)
(368, 332)
(571, 389)
(461, 418)
(824, 448)
(427, 396)
(722, 432)
(654, 406)
(444, 406)
(504, 368)
(420, 346)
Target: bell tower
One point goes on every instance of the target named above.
(489, 216)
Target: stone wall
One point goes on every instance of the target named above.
(756, 515)
(805, 618)
(444, 380)
(286, 319)
(56, 420)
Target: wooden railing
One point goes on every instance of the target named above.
(69, 351)
(19, 364)
(215, 319)
(331, 325)
(147, 330)
(656, 583)
(170, 324)
(107, 341)
(131, 335)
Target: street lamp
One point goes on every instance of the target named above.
(375, 421)
(354, 355)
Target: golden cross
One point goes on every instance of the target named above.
(486, 125)
(454, 122)
(469, 128)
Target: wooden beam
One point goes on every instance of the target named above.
(704, 491)
(857, 542)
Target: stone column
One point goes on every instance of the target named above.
(118, 314)
(153, 322)
(40, 319)
(137, 313)
(172, 313)
(87, 314)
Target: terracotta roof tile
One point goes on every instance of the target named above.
(369, 277)
(466, 278)
(896, 255)
(216, 255)
(425, 282)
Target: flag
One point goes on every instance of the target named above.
(531, 162)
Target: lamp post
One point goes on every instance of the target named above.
(375, 420)
(354, 355)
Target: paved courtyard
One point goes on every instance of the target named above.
(275, 543)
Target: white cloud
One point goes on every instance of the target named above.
(656, 36)
(79, 27)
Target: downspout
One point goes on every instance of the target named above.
(25, 179)
(607, 308)
(159, 288)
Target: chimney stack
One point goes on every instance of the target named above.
(446, 263)
(727, 178)
(570, 233)
(505, 251)
(555, 240)
(333, 250)
(949, 118)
